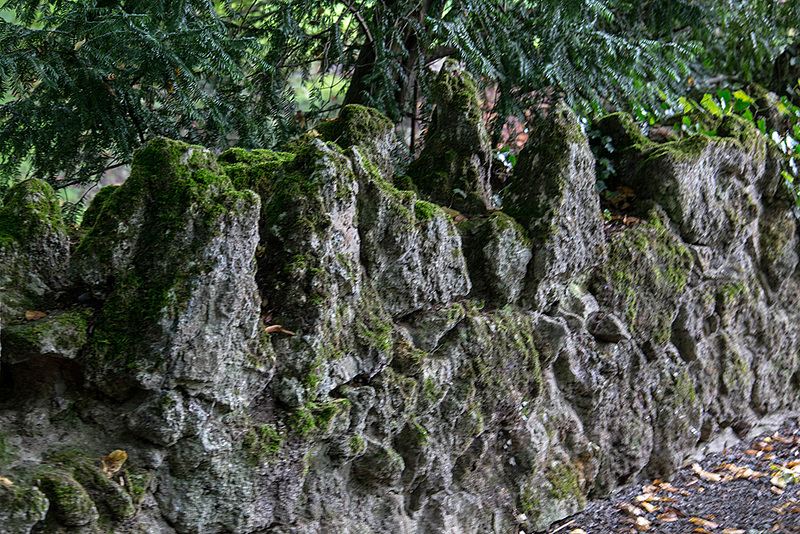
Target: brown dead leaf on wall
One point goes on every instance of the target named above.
(113, 462)
(34, 315)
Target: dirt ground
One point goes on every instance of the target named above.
(751, 488)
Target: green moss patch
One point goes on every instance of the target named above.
(170, 183)
(30, 209)
(356, 125)
(643, 280)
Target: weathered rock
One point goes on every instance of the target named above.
(427, 376)
(21, 508)
(411, 249)
(646, 273)
(365, 127)
(187, 318)
(551, 194)
(61, 335)
(71, 504)
(454, 166)
(497, 252)
(428, 329)
(34, 248)
(707, 185)
(606, 326)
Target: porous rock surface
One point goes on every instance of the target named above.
(284, 342)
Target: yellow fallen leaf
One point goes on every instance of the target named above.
(113, 462)
(6, 482)
(34, 315)
(630, 509)
(705, 475)
(777, 481)
(646, 497)
(704, 523)
(577, 531)
(733, 531)
(642, 523)
(648, 507)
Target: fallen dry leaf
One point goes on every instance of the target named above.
(777, 437)
(668, 517)
(648, 507)
(277, 329)
(705, 475)
(113, 462)
(703, 523)
(642, 523)
(743, 472)
(776, 491)
(578, 531)
(733, 531)
(630, 509)
(34, 315)
(5, 481)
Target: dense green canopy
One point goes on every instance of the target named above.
(84, 82)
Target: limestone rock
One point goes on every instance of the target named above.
(34, 248)
(411, 249)
(551, 194)
(366, 128)
(606, 327)
(428, 376)
(61, 335)
(170, 254)
(707, 185)
(71, 504)
(453, 168)
(21, 508)
(498, 253)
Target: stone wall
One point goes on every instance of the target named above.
(298, 342)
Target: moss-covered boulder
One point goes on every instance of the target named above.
(410, 248)
(643, 280)
(61, 335)
(366, 127)
(71, 504)
(21, 508)
(552, 195)
(708, 185)
(34, 248)
(454, 166)
(498, 252)
(170, 255)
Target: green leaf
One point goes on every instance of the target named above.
(708, 103)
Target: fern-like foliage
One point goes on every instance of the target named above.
(86, 82)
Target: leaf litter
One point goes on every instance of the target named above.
(751, 488)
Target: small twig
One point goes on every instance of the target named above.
(562, 527)
(244, 19)
(360, 20)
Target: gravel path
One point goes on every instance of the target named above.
(751, 488)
